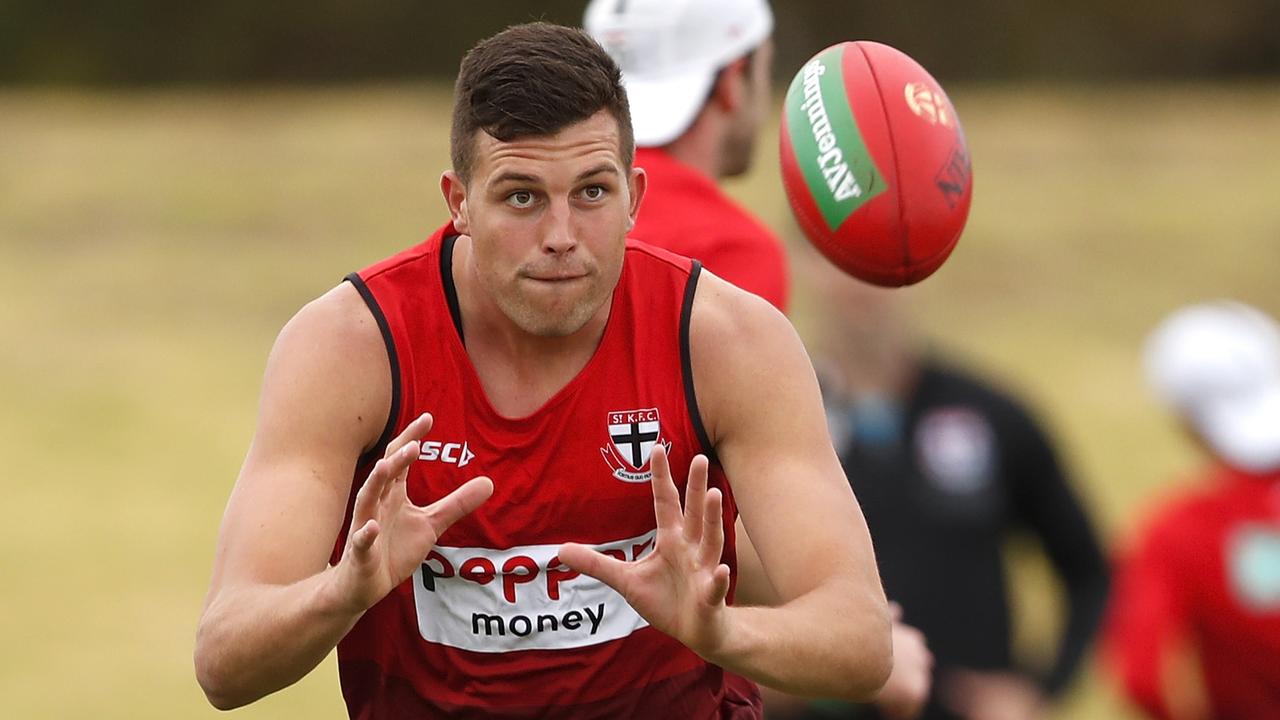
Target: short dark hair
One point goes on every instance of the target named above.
(534, 79)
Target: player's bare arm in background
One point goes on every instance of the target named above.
(275, 607)
(829, 635)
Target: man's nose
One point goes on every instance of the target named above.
(558, 236)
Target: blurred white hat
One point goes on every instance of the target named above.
(1219, 364)
(670, 52)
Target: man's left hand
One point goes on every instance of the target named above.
(680, 587)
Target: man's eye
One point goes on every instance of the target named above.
(593, 192)
(520, 198)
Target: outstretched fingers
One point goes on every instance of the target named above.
(712, 547)
(666, 499)
(395, 462)
(415, 430)
(695, 496)
(712, 521)
(380, 478)
(412, 434)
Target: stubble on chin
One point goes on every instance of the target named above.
(537, 320)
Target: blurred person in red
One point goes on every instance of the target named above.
(697, 74)
(1194, 627)
(698, 77)
(948, 468)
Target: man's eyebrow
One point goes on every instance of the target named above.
(604, 167)
(510, 176)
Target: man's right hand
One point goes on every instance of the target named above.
(390, 535)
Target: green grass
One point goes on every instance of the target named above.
(151, 244)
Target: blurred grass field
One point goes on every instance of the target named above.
(152, 243)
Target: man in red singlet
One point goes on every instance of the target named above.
(493, 470)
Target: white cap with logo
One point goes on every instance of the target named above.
(670, 52)
(1219, 364)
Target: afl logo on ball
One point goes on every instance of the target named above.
(930, 105)
(632, 435)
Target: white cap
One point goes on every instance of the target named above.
(1219, 364)
(670, 52)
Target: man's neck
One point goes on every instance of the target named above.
(700, 147)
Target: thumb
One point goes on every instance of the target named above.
(453, 507)
(609, 570)
(719, 588)
(362, 539)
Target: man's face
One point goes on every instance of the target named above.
(746, 123)
(548, 218)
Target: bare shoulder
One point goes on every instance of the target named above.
(330, 365)
(743, 351)
(722, 309)
(338, 316)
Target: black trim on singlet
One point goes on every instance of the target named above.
(374, 452)
(686, 363)
(446, 278)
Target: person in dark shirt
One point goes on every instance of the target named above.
(947, 468)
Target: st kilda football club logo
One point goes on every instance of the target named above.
(632, 435)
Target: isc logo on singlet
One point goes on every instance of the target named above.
(453, 453)
(521, 598)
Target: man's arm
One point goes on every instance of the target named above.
(1049, 506)
(830, 633)
(275, 607)
(270, 616)
(1148, 629)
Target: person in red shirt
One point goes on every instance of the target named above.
(698, 76)
(499, 471)
(1194, 626)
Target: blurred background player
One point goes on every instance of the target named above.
(697, 74)
(1194, 628)
(947, 467)
(698, 77)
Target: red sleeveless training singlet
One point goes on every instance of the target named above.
(492, 625)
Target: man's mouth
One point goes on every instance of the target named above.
(555, 277)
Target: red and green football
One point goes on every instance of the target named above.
(875, 163)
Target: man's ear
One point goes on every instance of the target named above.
(730, 89)
(637, 183)
(455, 196)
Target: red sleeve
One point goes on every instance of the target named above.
(759, 268)
(1147, 616)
